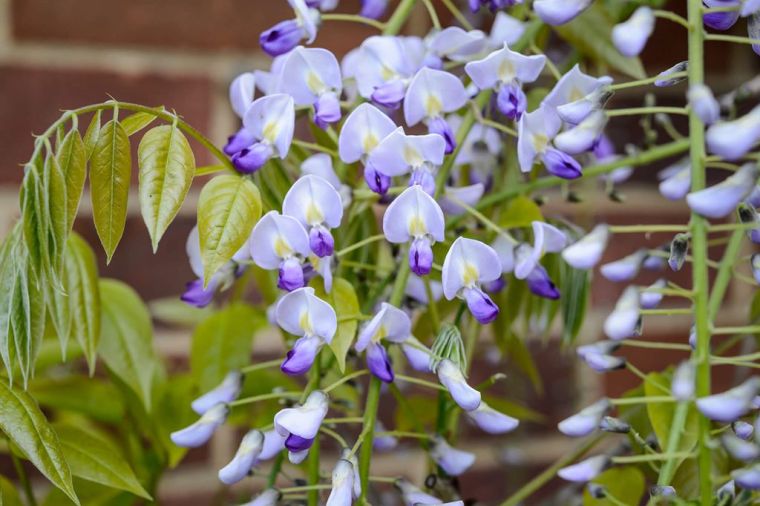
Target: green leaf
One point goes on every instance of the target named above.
(222, 343)
(173, 311)
(8, 259)
(521, 212)
(33, 215)
(126, 338)
(25, 425)
(343, 299)
(92, 134)
(515, 350)
(167, 167)
(590, 33)
(626, 484)
(139, 120)
(72, 159)
(661, 415)
(27, 324)
(83, 294)
(57, 215)
(110, 173)
(574, 284)
(8, 494)
(228, 208)
(90, 396)
(93, 457)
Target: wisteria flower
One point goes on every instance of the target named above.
(469, 263)
(432, 94)
(721, 199)
(315, 203)
(734, 139)
(413, 496)
(742, 429)
(415, 216)
(384, 66)
(675, 181)
(391, 324)
(242, 92)
(731, 404)
(341, 493)
(312, 77)
(573, 86)
(578, 110)
(585, 421)
(739, 448)
(625, 319)
(702, 100)
(286, 35)
(300, 424)
(682, 385)
(267, 131)
(417, 354)
(505, 70)
(313, 320)
(246, 455)
(586, 252)
(280, 242)
(505, 30)
(451, 376)
(451, 460)
(321, 165)
(539, 283)
(201, 431)
(651, 296)
(747, 477)
(585, 470)
(269, 497)
(492, 421)
(546, 239)
(559, 12)
(227, 391)
(624, 269)
(721, 20)
(419, 155)
(373, 9)
(457, 44)
(631, 36)
(584, 136)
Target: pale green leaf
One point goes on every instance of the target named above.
(228, 208)
(520, 212)
(72, 160)
(591, 34)
(343, 299)
(137, 121)
(34, 218)
(222, 343)
(57, 215)
(8, 494)
(92, 134)
(167, 167)
(574, 284)
(126, 338)
(8, 259)
(110, 173)
(27, 324)
(626, 484)
(95, 398)
(173, 311)
(25, 425)
(93, 457)
(83, 296)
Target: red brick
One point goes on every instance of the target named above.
(184, 24)
(35, 97)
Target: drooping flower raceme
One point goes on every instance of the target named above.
(286, 35)
(467, 265)
(419, 155)
(391, 324)
(315, 203)
(505, 70)
(430, 95)
(280, 242)
(267, 131)
(300, 424)
(415, 216)
(312, 77)
(313, 320)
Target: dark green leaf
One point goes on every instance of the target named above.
(92, 397)
(25, 425)
(8, 259)
(222, 343)
(126, 339)
(574, 284)
(93, 457)
(110, 173)
(34, 217)
(520, 212)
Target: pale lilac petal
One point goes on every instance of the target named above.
(534, 132)
(389, 323)
(469, 195)
(734, 139)
(631, 36)
(321, 165)
(505, 30)
(559, 12)
(702, 100)
(227, 391)
(417, 354)
(303, 421)
(201, 431)
(310, 73)
(505, 245)
(740, 449)
(573, 86)
(492, 421)
(582, 137)
(452, 460)
(452, 378)
(468, 262)
(585, 421)
(272, 119)
(677, 182)
(246, 455)
(588, 250)
(413, 496)
(721, 199)
(731, 404)
(413, 214)
(747, 477)
(363, 129)
(415, 288)
(624, 321)
(742, 429)
(601, 362)
(276, 237)
(313, 200)
(342, 484)
(242, 91)
(269, 497)
(651, 297)
(432, 93)
(624, 269)
(585, 470)
(457, 44)
(302, 313)
(504, 66)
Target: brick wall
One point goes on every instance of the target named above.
(58, 54)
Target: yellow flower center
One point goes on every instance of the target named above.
(270, 131)
(412, 156)
(305, 322)
(380, 334)
(314, 214)
(315, 84)
(506, 71)
(417, 227)
(282, 248)
(433, 106)
(369, 142)
(470, 274)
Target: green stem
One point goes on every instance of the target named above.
(368, 434)
(353, 18)
(272, 479)
(731, 38)
(261, 365)
(651, 399)
(725, 272)
(676, 427)
(360, 244)
(643, 82)
(457, 14)
(700, 283)
(264, 397)
(433, 15)
(632, 459)
(633, 111)
(313, 464)
(672, 16)
(420, 382)
(397, 20)
(345, 379)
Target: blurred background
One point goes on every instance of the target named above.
(62, 54)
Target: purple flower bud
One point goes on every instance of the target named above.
(747, 477)
(417, 354)
(379, 363)
(601, 362)
(731, 404)
(249, 449)
(605, 347)
(739, 448)
(492, 421)
(326, 110)
(376, 180)
(290, 274)
(321, 241)
(650, 297)
(559, 12)
(201, 431)
(511, 101)
(451, 460)
(252, 158)
(734, 139)
(299, 359)
(703, 102)
(383, 442)
(682, 384)
(585, 421)
(239, 141)
(424, 178)
(728, 489)
(373, 9)
(561, 164)
(742, 429)
(389, 94)
(281, 38)
(585, 470)
(625, 320)
(675, 181)
(720, 20)
(296, 444)
(540, 284)
(439, 126)
(196, 295)
(227, 391)
(753, 29)
(624, 269)
(480, 305)
(452, 378)
(665, 79)
(662, 491)
(631, 36)
(421, 256)
(719, 200)
(679, 247)
(584, 136)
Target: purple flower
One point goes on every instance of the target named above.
(731, 404)
(269, 497)
(457, 44)
(740, 449)
(399, 154)
(300, 424)
(362, 131)
(720, 20)
(379, 363)
(285, 35)
(585, 470)
(586, 252)
(390, 94)
(559, 12)
(625, 319)
(585, 421)
(196, 295)
(666, 78)
(451, 376)
(631, 36)
(383, 59)
(702, 100)
(246, 455)
(467, 265)
(578, 110)
(201, 431)
(535, 130)
(583, 136)
(511, 101)
(480, 305)
(315, 203)
(573, 86)
(546, 239)
(342, 493)
(242, 92)
(278, 240)
(650, 297)
(561, 164)
(313, 78)
(721, 199)
(452, 460)
(227, 391)
(675, 181)
(747, 477)
(734, 139)
(389, 323)
(417, 354)
(373, 9)
(624, 269)
(413, 496)
(742, 429)
(492, 421)
(540, 284)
